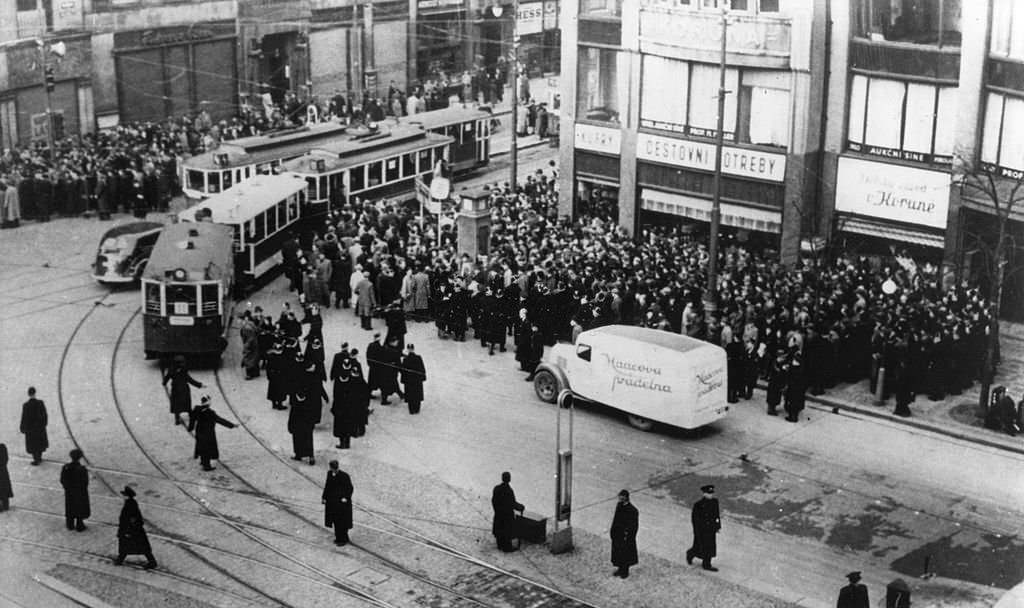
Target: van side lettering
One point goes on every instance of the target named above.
(647, 385)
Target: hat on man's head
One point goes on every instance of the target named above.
(708, 489)
(128, 491)
(624, 493)
(204, 400)
(854, 576)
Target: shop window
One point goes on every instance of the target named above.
(598, 97)
(897, 119)
(608, 8)
(928, 22)
(1001, 143)
(1008, 28)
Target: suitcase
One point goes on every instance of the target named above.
(532, 527)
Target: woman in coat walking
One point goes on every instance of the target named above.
(625, 524)
(181, 395)
(131, 535)
(337, 501)
(204, 422)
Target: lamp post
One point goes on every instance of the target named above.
(48, 79)
(514, 151)
(711, 292)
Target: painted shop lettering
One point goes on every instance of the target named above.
(635, 375)
(709, 381)
(890, 199)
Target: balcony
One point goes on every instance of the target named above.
(909, 59)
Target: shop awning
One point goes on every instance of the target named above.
(890, 232)
(738, 216)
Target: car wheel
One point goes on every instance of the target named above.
(640, 422)
(546, 385)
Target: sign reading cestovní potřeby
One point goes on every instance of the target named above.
(893, 192)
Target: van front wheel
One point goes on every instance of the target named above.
(640, 422)
(546, 386)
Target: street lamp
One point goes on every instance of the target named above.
(49, 83)
(514, 165)
(561, 539)
(711, 292)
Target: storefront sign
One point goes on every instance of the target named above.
(917, 157)
(682, 27)
(423, 4)
(550, 15)
(598, 139)
(175, 35)
(699, 155)
(1014, 174)
(892, 192)
(529, 18)
(274, 9)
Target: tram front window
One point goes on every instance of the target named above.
(214, 183)
(196, 180)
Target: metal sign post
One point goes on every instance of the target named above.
(561, 539)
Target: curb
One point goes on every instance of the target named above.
(72, 593)
(882, 414)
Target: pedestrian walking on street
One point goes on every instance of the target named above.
(854, 595)
(503, 501)
(204, 421)
(181, 394)
(6, 492)
(707, 521)
(337, 500)
(625, 524)
(33, 426)
(74, 478)
(131, 533)
(413, 377)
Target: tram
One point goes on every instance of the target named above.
(236, 160)
(260, 212)
(187, 291)
(470, 129)
(371, 164)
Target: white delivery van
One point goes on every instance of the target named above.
(651, 375)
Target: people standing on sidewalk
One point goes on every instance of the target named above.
(625, 524)
(33, 426)
(337, 501)
(181, 395)
(131, 532)
(414, 374)
(503, 501)
(74, 478)
(707, 521)
(204, 422)
(854, 595)
(6, 492)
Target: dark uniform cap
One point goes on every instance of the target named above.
(128, 491)
(854, 576)
(708, 489)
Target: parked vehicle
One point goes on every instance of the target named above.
(124, 251)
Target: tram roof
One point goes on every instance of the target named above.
(196, 247)
(245, 199)
(657, 337)
(385, 137)
(267, 147)
(333, 162)
(447, 116)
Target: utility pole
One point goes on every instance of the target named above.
(514, 152)
(711, 292)
(48, 81)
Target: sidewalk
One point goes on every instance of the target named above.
(955, 416)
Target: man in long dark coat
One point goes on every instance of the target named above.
(796, 388)
(625, 524)
(414, 374)
(854, 595)
(131, 534)
(181, 395)
(359, 397)
(344, 426)
(390, 365)
(204, 421)
(706, 521)
(374, 360)
(303, 416)
(337, 500)
(503, 501)
(33, 426)
(277, 376)
(250, 346)
(394, 317)
(6, 492)
(74, 477)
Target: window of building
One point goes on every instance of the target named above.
(898, 119)
(931, 22)
(607, 8)
(598, 97)
(1008, 28)
(27, 5)
(664, 92)
(1001, 143)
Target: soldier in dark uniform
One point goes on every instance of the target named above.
(414, 374)
(74, 478)
(625, 524)
(796, 387)
(778, 373)
(734, 354)
(181, 395)
(457, 313)
(390, 365)
(536, 351)
(374, 360)
(337, 500)
(359, 397)
(131, 533)
(503, 501)
(854, 595)
(277, 376)
(33, 426)
(204, 422)
(302, 418)
(394, 317)
(345, 424)
(706, 521)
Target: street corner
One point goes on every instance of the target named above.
(969, 555)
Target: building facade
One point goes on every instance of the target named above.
(640, 97)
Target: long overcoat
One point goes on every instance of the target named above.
(33, 425)
(337, 498)
(503, 501)
(345, 420)
(250, 344)
(181, 395)
(5, 477)
(131, 535)
(204, 421)
(74, 477)
(706, 521)
(420, 291)
(413, 377)
(366, 300)
(625, 524)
